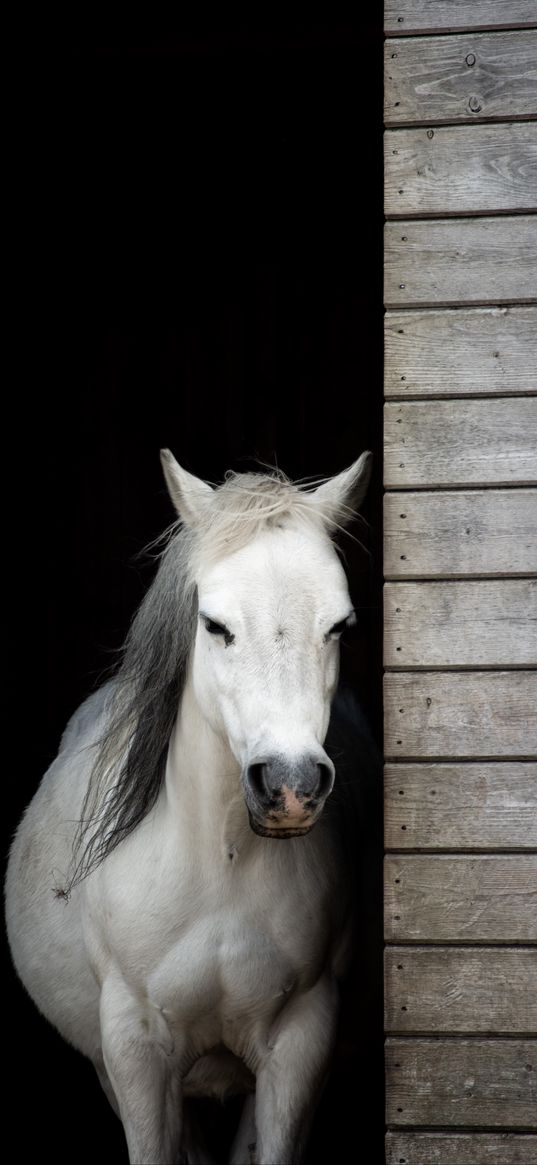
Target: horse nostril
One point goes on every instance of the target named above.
(256, 779)
(259, 779)
(325, 781)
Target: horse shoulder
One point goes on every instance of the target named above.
(42, 917)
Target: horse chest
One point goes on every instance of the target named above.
(240, 952)
(223, 967)
(224, 948)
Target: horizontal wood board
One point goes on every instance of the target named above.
(461, 169)
(478, 899)
(458, 261)
(457, 78)
(444, 715)
(460, 443)
(403, 17)
(461, 624)
(464, 1082)
(461, 351)
(469, 806)
(450, 989)
(409, 1148)
(460, 533)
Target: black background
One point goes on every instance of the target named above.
(198, 239)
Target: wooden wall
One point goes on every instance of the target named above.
(461, 590)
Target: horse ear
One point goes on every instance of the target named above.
(343, 494)
(190, 495)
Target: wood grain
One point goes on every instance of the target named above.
(467, 442)
(461, 624)
(455, 351)
(404, 1148)
(474, 532)
(460, 78)
(446, 715)
(460, 261)
(467, 806)
(461, 169)
(446, 989)
(402, 17)
(461, 1082)
(482, 899)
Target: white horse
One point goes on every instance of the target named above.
(152, 916)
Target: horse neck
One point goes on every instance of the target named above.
(203, 780)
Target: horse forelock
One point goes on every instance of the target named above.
(246, 504)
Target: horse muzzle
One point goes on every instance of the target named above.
(286, 799)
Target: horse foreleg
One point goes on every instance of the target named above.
(243, 1148)
(104, 1081)
(293, 1073)
(137, 1052)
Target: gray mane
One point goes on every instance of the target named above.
(145, 695)
(146, 691)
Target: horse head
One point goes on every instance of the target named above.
(272, 604)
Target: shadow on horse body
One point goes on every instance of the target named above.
(179, 898)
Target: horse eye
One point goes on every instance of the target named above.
(340, 627)
(215, 628)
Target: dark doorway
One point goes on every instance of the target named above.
(201, 228)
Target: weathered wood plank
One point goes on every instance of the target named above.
(448, 989)
(460, 714)
(454, 351)
(458, 443)
(460, 78)
(460, 261)
(403, 17)
(461, 624)
(467, 806)
(460, 1148)
(439, 898)
(432, 534)
(461, 169)
(461, 1082)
